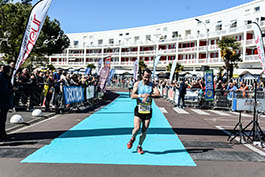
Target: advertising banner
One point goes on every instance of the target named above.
(73, 94)
(35, 22)
(259, 44)
(209, 87)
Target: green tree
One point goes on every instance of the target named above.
(91, 66)
(178, 69)
(142, 67)
(229, 52)
(13, 21)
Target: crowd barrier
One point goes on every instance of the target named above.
(70, 97)
(195, 98)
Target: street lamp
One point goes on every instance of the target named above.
(207, 36)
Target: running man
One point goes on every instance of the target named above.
(143, 91)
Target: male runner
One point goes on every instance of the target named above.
(143, 91)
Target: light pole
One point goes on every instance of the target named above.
(207, 36)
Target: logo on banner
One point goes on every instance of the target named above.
(209, 88)
(73, 94)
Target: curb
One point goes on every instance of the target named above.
(35, 120)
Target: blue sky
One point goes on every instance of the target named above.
(99, 15)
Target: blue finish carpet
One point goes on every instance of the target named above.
(102, 137)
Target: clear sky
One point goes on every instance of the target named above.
(99, 15)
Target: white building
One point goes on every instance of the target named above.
(185, 40)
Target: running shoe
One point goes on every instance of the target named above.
(130, 144)
(140, 150)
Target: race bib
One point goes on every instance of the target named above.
(144, 108)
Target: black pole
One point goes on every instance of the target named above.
(254, 114)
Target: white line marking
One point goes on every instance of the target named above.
(242, 114)
(42, 121)
(221, 113)
(163, 110)
(247, 145)
(180, 111)
(198, 111)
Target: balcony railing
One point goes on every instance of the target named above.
(251, 58)
(190, 49)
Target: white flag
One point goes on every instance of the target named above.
(259, 43)
(135, 69)
(172, 71)
(35, 22)
(100, 65)
(155, 65)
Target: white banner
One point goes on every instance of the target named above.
(172, 71)
(35, 22)
(155, 65)
(135, 69)
(259, 43)
(90, 92)
(100, 66)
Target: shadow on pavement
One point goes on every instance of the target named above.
(108, 132)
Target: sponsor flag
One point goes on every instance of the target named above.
(104, 73)
(135, 69)
(88, 71)
(35, 22)
(172, 71)
(259, 43)
(100, 66)
(155, 65)
(111, 74)
(103, 77)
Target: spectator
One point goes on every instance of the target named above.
(6, 95)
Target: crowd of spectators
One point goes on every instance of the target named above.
(42, 87)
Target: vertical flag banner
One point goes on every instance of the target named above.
(111, 74)
(35, 22)
(155, 65)
(172, 71)
(88, 70)
(209, 87)
(259, 43)
(100, 66)
(104, 74)
(135, 69)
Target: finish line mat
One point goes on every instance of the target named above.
(102, 137)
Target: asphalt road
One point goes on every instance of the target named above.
(199, 131)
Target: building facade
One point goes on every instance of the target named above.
(193, 42)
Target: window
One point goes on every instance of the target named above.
(175, 34)
(187, 32)
(148, 37)
(257, 9)
(136, 38)
(111, 41)
(120, 34)
(218, 27)
(207, 21)
(127, 34)
(90, 37)
(233, 24)
(100, 41)
(165, 29)
(75, 43)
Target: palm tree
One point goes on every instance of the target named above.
(178, 69)
(229, 47)
(142, 67)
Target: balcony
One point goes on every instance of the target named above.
(169, 51)
(254, 58)
(153, 52)
(129, 53)
(190, 49)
